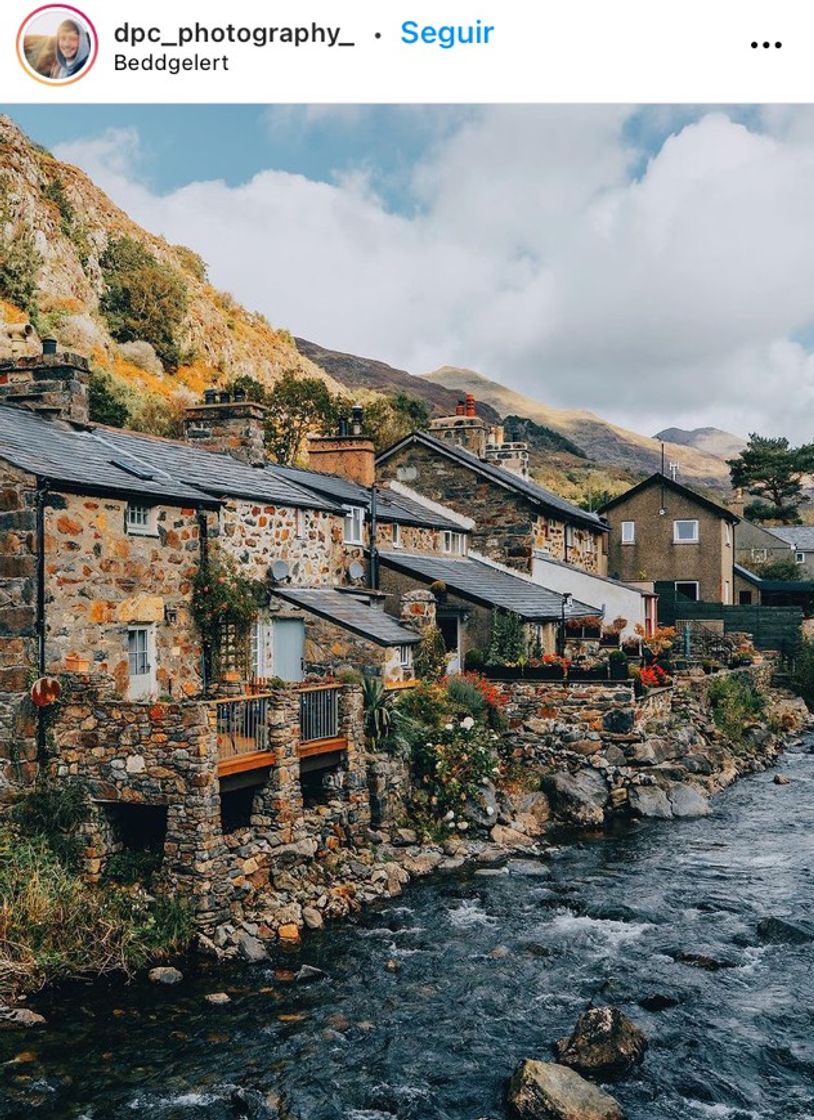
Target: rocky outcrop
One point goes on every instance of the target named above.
(547, 1091)
(605, 1043)
(578, 798)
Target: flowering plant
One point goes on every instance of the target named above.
(451, 765)
(653, 676)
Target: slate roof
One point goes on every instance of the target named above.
(537, 494)
(102, 460)
(799, 537)
(790, 585)
(351, 612)
(486, 586)
(389, 505)
(659, 479)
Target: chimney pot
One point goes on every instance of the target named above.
(357, 414)
(210, 396)
(470, 405)
(240, 395)
(460, 408)
(49, 346)
(224, 396)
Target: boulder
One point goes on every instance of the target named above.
(650, 801)
(510, 837)
(308, 972)
(776, 931)
(578, 798)
(546, 1091)
(482, 809)
(218, 998)
(251, 949)
(21, 1017)
(605, 1043)
(165, 975)
(687, 801)
(312, 917)
(781, 780)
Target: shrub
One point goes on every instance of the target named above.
(474, 660)
(53, 814)
(130, 866)
(145, 299)
(802, 677)
(224, 605)
(191, 262)
(378, 714)
(106, 404)
(507, 645)
(735, 704)
(472, 694)
(430, 655)
(19, 261)
(452, 764)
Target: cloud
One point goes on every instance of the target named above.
(651, 267)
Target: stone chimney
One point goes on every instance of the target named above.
(228, 423)
(51, 383)
(737, 502)
(465, 428)
(512, 457)
(349, 454)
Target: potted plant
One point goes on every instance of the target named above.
(76, 664)
(587, 669)
(549, 667)
(619, 668)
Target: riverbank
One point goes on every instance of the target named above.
(428, 1002)
(664, 760)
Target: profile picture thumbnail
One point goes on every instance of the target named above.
(57, 44)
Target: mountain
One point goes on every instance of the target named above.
(605, 443)
(712, 441)
(70, 261)
(368, 373)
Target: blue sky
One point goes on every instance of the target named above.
(651, 264)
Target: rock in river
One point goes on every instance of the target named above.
(546, 1091)
(605, 1043)
(687, 801)
(165, 975)
(775, 931)
(649, 801)
(578, 798)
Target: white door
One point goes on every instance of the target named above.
(288, 647)
(141, 663)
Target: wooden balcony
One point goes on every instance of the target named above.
(319, 721)
(241, 725)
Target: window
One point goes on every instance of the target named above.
(628, 532)
(396, 536)
(141, 662)
(727, 534)
(354, 525)
(688, 588)
(685, 532)
(300, 522)
(140, 520)
(745, 598)
(569, 536)
(759, 554)
(453, 542)
(406, 657)
(799, 558)
(589, 544)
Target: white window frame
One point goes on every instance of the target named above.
(354, 525)
(396, 529)
(799, 558)
(628, 532)
(727, 534)
(406, 656)
(569, 536)
(727, 593)
(145, 523)
(685, 582)
(141, 685)
(760, 555)
(686, 540)
(453, 543)
(300, 529)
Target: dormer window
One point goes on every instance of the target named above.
(140, 520)
(354, 525)
(454, 543)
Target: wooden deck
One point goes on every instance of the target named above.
(322, 746)
(240, 763)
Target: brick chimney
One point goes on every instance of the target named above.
(512, 457)
(349, 454)
(465, 429)
(51, 383)
(228, 423)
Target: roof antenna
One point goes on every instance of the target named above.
(674, 471)
(662, 509)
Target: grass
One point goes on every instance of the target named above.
(735, 705)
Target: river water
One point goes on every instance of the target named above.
(489, 968)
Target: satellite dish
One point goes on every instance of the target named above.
(279, 571)
(355, 570)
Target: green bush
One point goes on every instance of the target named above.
(145, 299)
(508, 641)
(451, 764)
(474, 660)
(130, 866)
(105, 402)
(53, 814)
(430, 658)
(802, 677)
(735, 704)
(19, 263)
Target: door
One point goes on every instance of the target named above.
(141, 663)
(288, 648)
(450, 630)
(262, 649)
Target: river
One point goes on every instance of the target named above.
(429, 1001)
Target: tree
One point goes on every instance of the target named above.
(145, 299)
(783, 568)
(389, 420)
(298, 407)
(105, 404)
(772, 470)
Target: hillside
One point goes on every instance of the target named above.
(368, 373)
(712, 441)
(58, 236)
(605, 443)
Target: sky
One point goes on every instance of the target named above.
(651, 264)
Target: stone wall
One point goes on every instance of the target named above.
(102, 579)
(18, 639)
(585, 549)
(413, 538)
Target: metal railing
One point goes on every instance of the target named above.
(242, 726)
(319, 713)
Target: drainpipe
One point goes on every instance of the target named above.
(373, 573)
(40, 503)
(203, 557)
